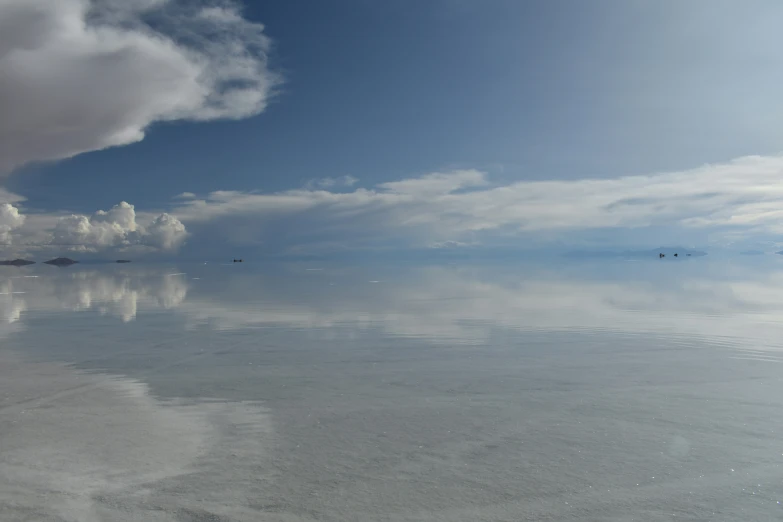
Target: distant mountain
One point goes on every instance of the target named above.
(667, 251)
(752, 253)
(61, 261)
(17, 262)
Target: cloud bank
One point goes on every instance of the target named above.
(84, 75)
(465, 207)
(724, 203)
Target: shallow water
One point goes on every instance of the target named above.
(604, 390)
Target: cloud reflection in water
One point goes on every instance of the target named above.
(450, 304)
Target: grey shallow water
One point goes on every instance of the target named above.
(575, 391)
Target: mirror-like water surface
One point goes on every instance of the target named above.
(593, 391)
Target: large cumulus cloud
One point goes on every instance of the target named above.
(10, 219)
(118, 228)
(83, 75)
(121, 228)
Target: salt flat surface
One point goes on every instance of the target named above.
(459, 393)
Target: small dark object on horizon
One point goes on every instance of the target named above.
(60, 261)
(17, 262)
(635, 254)
(123, 261)
(238, 261)
(675, 254)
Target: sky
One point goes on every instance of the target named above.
(206, 129)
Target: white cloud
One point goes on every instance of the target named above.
(449, 244)
(342, 181)
(165, 232)
(83, 75)
(9, 197)
(744, 194)
(118, 228)
(221, 14)
(437, 183)
(10, 220)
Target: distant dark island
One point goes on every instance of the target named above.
(17, 262)
(638, 254)
(123, 261)
(60, 261)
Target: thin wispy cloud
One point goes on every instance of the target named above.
(327, 183)
(9, 197)
(461, 206)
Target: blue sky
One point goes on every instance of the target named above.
(605, 111)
